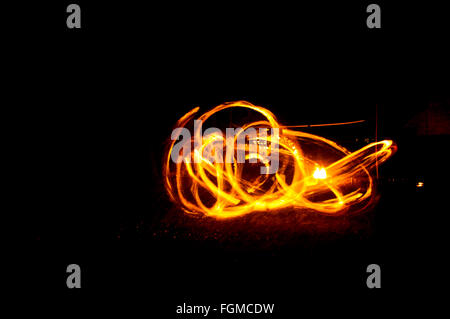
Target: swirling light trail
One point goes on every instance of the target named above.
(314, 172)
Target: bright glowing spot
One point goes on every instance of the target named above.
(320, 173)
(419, 184)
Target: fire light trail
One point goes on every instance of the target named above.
(327, 124)
(314, 173)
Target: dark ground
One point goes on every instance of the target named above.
(96, 105)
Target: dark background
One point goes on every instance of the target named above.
(95, 106)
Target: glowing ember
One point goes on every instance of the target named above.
(320, 173)
(313, 172)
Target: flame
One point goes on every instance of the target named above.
(329, 179)
(320, 173)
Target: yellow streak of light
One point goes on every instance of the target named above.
(221, 190)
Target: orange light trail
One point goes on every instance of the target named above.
(326, 124)
(314, 173)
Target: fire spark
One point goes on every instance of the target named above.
(314, 173)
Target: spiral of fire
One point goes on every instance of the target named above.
(313, 172)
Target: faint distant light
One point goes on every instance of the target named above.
(419, 184)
